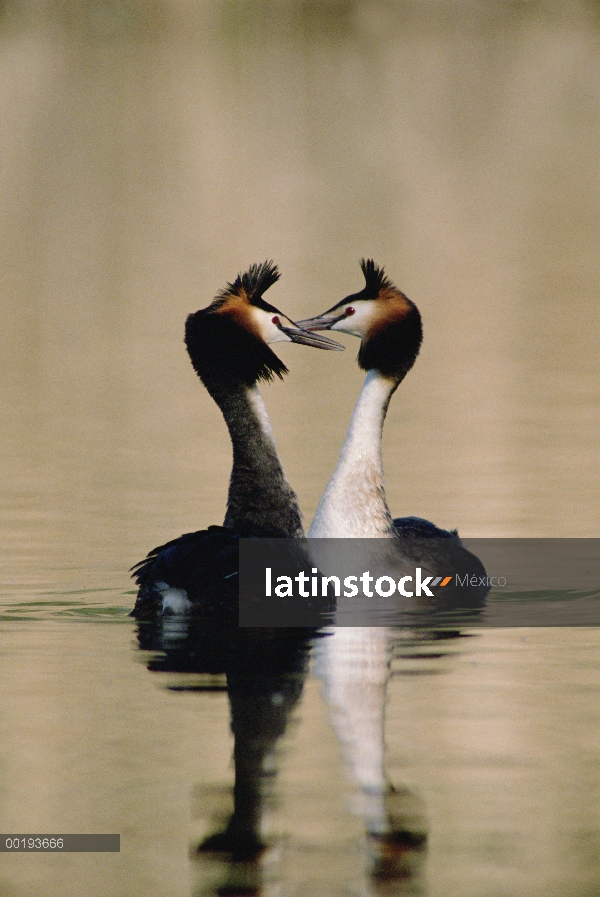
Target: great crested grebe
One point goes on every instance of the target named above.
(354, 662)
(389, 327)
(228, 344)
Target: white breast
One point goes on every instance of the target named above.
(353, 504)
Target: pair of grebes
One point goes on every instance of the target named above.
(229, 346)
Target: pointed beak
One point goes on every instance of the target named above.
(321, 322)
(302, 335)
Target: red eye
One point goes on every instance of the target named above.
(275, 319)
(349, 311)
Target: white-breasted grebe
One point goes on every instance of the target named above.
(228, 344)
(354, 662)
(389, 327)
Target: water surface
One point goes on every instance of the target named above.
(150, 152)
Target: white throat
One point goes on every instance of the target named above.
(256, 401)
(354, 504)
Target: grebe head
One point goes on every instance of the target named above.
(385, 320)
(230, 339)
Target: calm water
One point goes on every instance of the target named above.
(149, 152)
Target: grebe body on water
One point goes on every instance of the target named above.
(354, 662)
(228, 344)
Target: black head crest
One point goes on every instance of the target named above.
(376, 279)
(254, 282)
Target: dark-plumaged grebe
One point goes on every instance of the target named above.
(228, 344)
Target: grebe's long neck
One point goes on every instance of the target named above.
(260, 500)
(354, 503)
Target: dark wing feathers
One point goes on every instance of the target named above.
(419, 528)
(203, 563)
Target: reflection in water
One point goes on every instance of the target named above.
(354, 664)
(265, 672)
